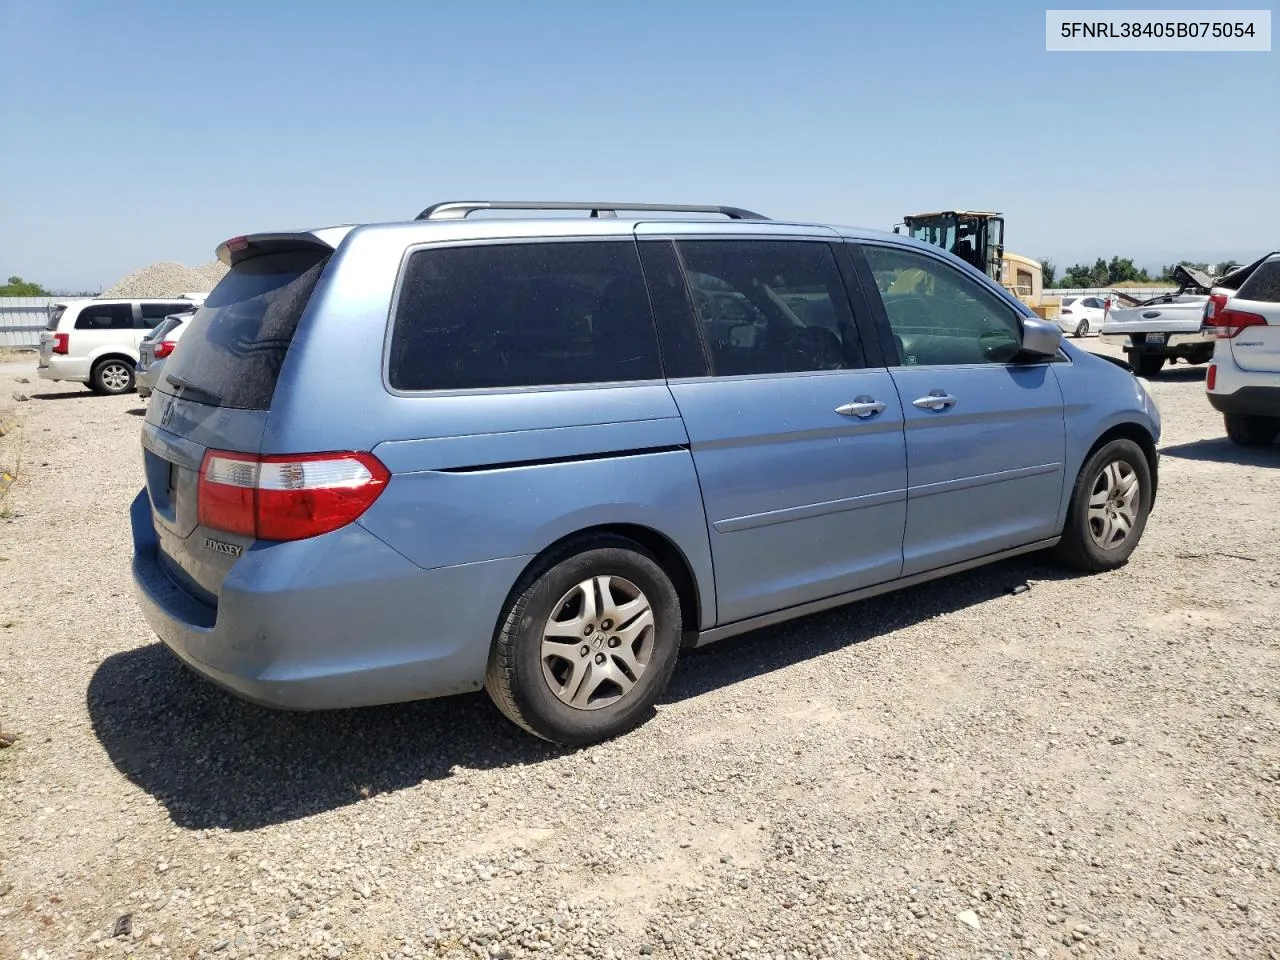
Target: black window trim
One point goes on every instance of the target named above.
(134, 314)
(832, 241)
(884, 330)
(393, 310)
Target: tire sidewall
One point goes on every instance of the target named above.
(542, 710)
(1131, 453)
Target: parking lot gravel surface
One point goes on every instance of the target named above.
(1087, 768)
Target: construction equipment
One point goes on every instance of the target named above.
(977, 237)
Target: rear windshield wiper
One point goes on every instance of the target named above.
(199, 394)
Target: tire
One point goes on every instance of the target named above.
(1082, 328)
(112, 377)
(533, 674)
(1147, 364)
(1091, 539)
(1252, 431)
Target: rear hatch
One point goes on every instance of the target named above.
(215, 394)
(49, 334)
(1254, 318)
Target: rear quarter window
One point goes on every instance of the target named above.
(239, 337)
(521, 315)
(1264, 285)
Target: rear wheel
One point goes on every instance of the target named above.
(1147, 364)
(112, 376)
(1082, 328)
(1251, 431)
(588, 643)
(1108, 509)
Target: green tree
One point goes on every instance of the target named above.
(17, 287)
(1049, 271)
(1122, 270)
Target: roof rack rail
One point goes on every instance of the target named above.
(461, 209)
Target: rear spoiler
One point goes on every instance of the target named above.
(238, 249)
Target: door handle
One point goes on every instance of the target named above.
(862, 408)
(936, 400)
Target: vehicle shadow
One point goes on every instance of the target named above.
(215, 761)
(1222, 450)
(1182, 373)
(137, 412)
(64, 395)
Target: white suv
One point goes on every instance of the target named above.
(1243, 381)
(96, 341)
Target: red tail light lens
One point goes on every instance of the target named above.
(164, 348)
(1227, 323)
(1065, 311)
(288, 497)
(1215, 304)
(61, 342)
(1211, 378)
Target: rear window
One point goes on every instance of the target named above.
(1068, 301)
(519, 315)
(54, 316)
(1263, 285)
(105, 316)
(162, 328)
(239, 337)
(153, 313)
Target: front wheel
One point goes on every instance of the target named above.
(1108, 511)
(1147, 364)
(588, 643)
(112, 377)
(1250, 431)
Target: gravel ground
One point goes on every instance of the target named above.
(1090, 768)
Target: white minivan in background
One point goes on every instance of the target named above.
(95, 342)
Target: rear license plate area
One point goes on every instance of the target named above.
(1156, 337)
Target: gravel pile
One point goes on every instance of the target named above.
(168, 280)
(1090, 768)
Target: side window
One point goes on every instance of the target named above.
(153, 313)
(523, 314)
(1263, 285)
(682, 350)
(106, 316)
(771, 306)
(1093, 302)
(940, 316)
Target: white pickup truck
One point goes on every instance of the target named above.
(1165, 328)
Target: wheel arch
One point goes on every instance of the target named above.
(664, 550)
(112, 353)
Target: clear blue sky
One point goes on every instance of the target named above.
(137, 132)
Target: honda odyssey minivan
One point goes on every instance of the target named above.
(540, 455)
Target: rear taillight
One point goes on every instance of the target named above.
(289, 497)
(1226, 323)
(164, 348)
(1212, 306)
(1065, 311)
(61, 342)
(1211, 378)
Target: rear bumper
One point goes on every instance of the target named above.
(146, 379)
(64, 368)
(1248, 402)
(340, 620)
(1175, 343)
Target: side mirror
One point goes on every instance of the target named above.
(1040, 338)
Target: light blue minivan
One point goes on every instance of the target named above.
(539, 454)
